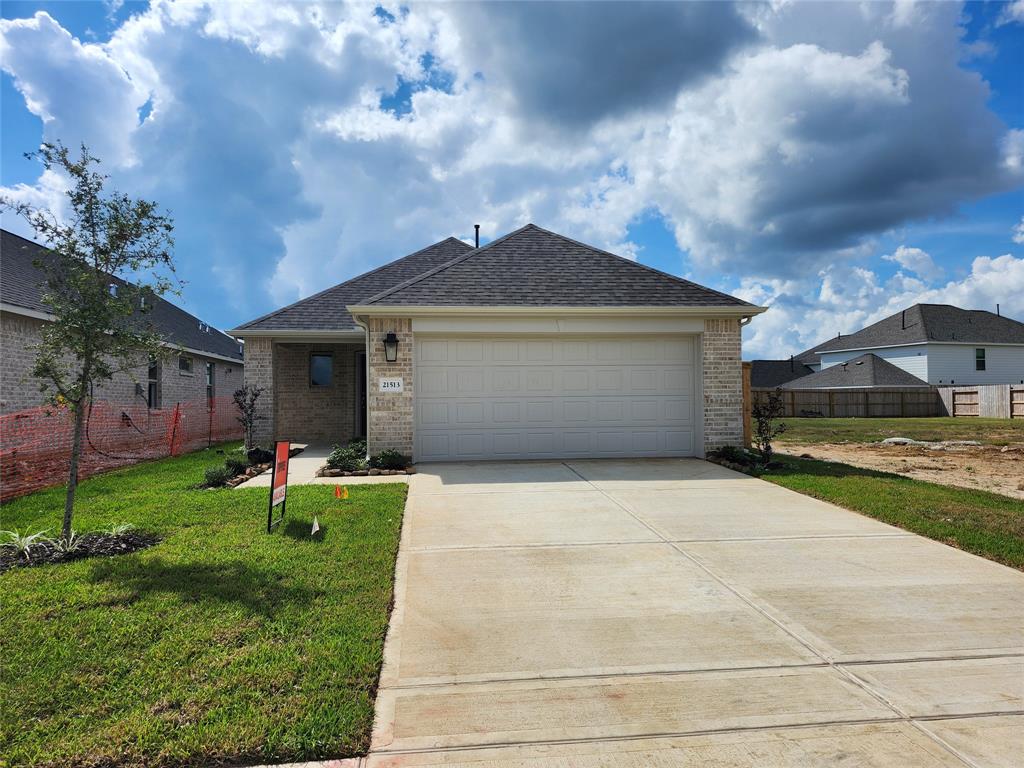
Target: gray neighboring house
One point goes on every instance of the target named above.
(868, 370)
(769, 374)
(205, 361)
(937, 343)
(532, 346)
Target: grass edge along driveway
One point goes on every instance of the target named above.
(983, 523)
(221, 644)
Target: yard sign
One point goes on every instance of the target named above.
(278, 482)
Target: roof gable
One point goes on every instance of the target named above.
(534, 267)
(21, 285)
(327, 310)
(868, 370)
(773, 373)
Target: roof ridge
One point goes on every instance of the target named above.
(374, 271)
(440, 267)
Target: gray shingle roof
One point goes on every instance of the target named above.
(930, 322)
(534, 267)
(21, 285)
(867, 370)
(327, 310)
(773, 373)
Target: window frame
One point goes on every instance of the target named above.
(190, 369)
(330, 383)
(211, 380)
(979, 359)
(153, 385)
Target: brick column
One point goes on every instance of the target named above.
(723, 384)
(259, 372)
(390, 417)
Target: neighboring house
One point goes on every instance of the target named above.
(936, 343)
(867, 370)
(533, 346)
(205, 361)
(769, 374)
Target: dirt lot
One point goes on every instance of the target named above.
(984, 467)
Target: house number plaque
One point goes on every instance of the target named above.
(392, 385)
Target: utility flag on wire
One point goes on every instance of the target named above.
(316, 526)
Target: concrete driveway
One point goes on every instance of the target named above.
(676, 613)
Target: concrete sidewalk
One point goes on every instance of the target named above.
(672, 612)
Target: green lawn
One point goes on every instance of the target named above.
(986, 524)
(219, 644)
(990, 431)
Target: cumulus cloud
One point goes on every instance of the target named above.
(1018, 231)
(915, 260)
(1013, 13)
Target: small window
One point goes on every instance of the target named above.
(153, 385)
(321, 370)
(184, 364)
(209, 381)
(979, 359)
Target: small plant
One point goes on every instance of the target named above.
(66, 545)
(22, 543)
(766, 429)
(217, 476)
(389, 458)
(245, 399)
(348, 458)
(235, 465)
(119, 529)
(259, 455)
(358, 444)
(734, 454)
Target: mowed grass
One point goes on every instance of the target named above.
(988, 431)
(986, 524)
(221, 644)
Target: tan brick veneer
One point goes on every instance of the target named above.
(390, 413)
(723, 384)
(259, 372)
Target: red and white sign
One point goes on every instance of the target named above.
(279, 484)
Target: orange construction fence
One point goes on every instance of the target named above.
(35, 444)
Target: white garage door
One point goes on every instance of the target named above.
(538, 398)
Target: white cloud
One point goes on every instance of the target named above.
(1013, 12)
(1018, 231)
(917, 261)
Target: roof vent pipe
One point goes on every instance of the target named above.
(477, 228)
(997, 311)
(904, 319)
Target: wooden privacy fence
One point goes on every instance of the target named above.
(995, 401)
(860, 402)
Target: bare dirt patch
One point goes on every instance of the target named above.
(979, 467)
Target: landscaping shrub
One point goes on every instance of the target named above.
(259, 455)
(347, 458)
(217, 476)
(358, 444)
(389, 458)
(235, 465)
(766, 427)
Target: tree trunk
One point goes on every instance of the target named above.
(76, 450)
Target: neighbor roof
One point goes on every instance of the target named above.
(930, 322)
(22, 283)
(867, 370)
(772, 373)
(534, 267)
(327, 310)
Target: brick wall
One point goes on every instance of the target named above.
(308, 414)
(390, 413)
(19, 390)
(259, 372)
(723, 384)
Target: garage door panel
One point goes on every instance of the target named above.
(480, 398)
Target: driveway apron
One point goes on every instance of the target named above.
(670, 612)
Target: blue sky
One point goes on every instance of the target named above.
(833, 161)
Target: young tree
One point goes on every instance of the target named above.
(104, 241)
(245, 399)
(765, 429)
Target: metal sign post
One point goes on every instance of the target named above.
(278, 483)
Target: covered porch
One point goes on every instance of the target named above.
(314, 387)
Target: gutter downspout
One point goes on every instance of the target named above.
(361, 322)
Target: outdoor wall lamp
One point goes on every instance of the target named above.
(391, 347)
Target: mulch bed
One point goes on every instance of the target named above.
(98, 544)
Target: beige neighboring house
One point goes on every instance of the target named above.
(204, 362)
(534, 346)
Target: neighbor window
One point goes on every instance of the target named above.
(209, 381)
(321, 369)
(979, 359)
(153, 385)
(184, 364)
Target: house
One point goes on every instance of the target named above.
(533, 346)
(769, 374)
(937, 343)
(867, 370)
(205, 362)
